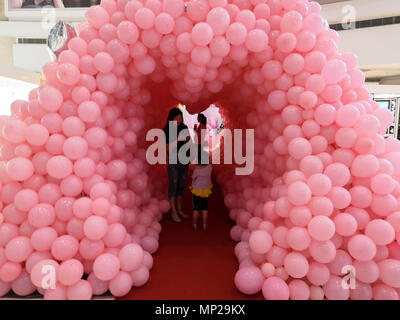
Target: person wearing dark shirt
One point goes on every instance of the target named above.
(174, 130)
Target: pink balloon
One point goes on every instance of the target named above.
(68, 74)
(383, 292)
(334, 290)
(249, 280)
(10, 271)
(286, 42)
(306, 41)
(362, 248)
(174, 8)
(140, 276)
(202, 34)
(64, 247)
(293, 64)
(316, 293)
(50, 98)
(334, 71)
(70, 272)
(131, 257)
(260, 241)
(380, 231)
(41, 215)
(275, 288)
(300, 216)
(89, 111)
(95, 227)
(75, 148)
(296, 265)
(106, 266)
(99, 286)
(197, 10)
(14, 131)
(59, 167)
(291, 22)
(164, 23)
(321, 228)
(43, 238)
(144, 18)
(97, 16)
(256, 40)
(90, 249)
(127, 32)
(121, 284)
(23, 285)
(219, 20)
(80, 291)
(19, 169)
(369, 163)
(389, 269)
(18, 249)
(59, 293)
(40, 270)
(367, 272)
(318, 273)
(299, 290)
(236, 34)
(322, 251)
(299, 193)
(346, 224)
(26, 199)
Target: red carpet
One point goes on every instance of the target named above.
(191, 264)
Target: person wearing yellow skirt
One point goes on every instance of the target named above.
(201, 191)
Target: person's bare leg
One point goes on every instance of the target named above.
(205, 218)
(195, 218)
(174, 214)
(179, 205)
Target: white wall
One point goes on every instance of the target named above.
(363, 9)
(31, 56)
(373, 46)
(6, 49)
(11, 90)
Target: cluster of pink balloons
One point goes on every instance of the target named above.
(324, 195)
(78, 196)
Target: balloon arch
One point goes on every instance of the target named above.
(78, 196)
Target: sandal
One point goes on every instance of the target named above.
(205, 227)
(175, 217)
(194, 226)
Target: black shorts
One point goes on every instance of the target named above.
(200, 203)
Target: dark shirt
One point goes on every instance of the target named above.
(180, 144)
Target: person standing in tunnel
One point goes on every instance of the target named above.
(201, 177)
(177, 171)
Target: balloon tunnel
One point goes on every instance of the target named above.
(78, 196)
